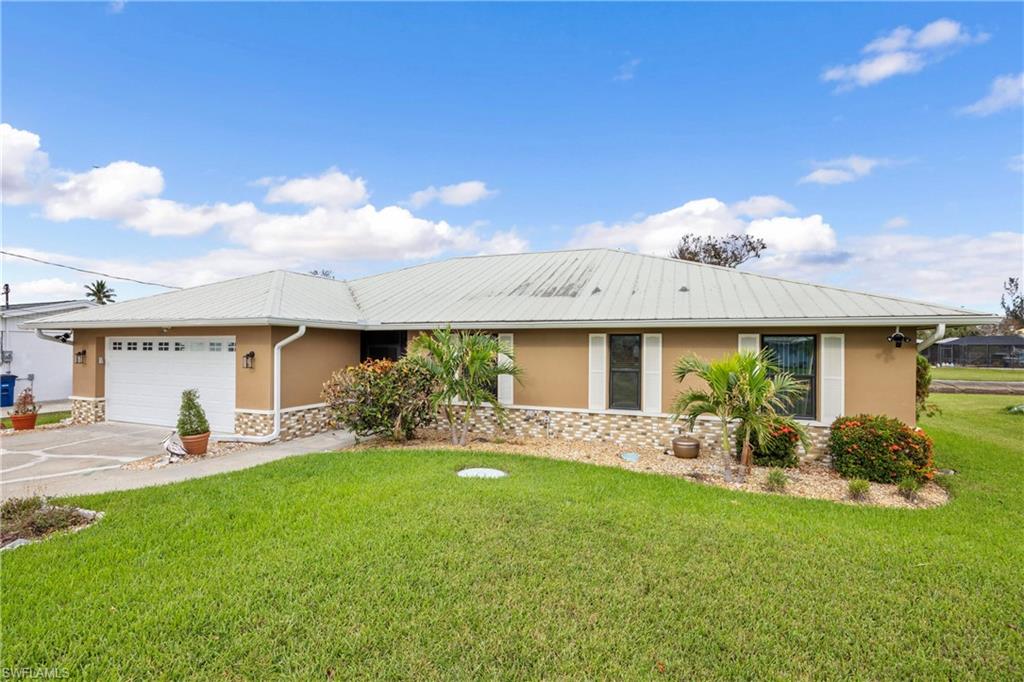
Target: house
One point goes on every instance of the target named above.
(37, 362)
(595, 331)
(978, 351)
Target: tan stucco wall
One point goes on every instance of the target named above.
(879, 377)
(308, 362)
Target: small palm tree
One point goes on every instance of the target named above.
(99, 292)
(465, 367)
(744, 387)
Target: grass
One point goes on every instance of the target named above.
(977, 374)
(384, 564)
(43, 418)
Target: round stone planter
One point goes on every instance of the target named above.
(685, 447)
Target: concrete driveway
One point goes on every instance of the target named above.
(88, 459)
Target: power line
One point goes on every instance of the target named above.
(90, 272)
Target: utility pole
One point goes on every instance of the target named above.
(7, 295)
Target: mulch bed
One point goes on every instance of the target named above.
(33, 518)
(215, 449)
(811, 479)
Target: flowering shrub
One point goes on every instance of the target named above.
(880, 449)
(777, 451)
(26, 403)
(380, 398)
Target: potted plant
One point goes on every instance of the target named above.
(193, 428)
(25, 411)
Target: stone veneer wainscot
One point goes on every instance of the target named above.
(88, 410)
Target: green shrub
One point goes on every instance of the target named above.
(381, 398)
(908, 487)
(777, 451)
(923, 389)
(191, 416)
(17, 507)
(858, 488)
(776, 481)
(1016, 409)
(31, 517)
(879, 449)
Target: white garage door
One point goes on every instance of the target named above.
(145, 376)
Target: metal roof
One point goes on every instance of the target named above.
(549, 289)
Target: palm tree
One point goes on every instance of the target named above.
(465, 367)
(744, 387)
(99, 292)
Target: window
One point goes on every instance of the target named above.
(147, 345)
(132, 345)
(797, 355)
(179, 346)
(231, 346)
(117, 345)
(163, 345)
(624, 372)
(216, 346)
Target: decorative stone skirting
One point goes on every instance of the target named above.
(295, 423)
(624, 429)
(88, 410)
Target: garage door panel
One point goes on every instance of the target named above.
(146, 375)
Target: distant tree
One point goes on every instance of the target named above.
(326, 274)
(729, 251)
(99, 292)
(1012, 301)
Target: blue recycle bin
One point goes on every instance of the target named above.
(7, 389)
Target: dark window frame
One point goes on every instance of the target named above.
(813, 376)
(639, 371)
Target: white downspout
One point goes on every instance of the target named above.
(272, 436)
(47, 337)
(940, 331)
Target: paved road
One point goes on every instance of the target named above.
(996, 387)
(89, 459)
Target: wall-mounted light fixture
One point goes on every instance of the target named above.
(248, 359)
(80, 357)
(897, 338)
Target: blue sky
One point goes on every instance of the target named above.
(183, 143)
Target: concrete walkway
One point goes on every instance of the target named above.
(981, 387)
(88, 459)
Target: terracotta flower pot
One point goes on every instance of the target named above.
(685, 447)
(24, 422)
(197, 444)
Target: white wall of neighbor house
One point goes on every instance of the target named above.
(48, 362)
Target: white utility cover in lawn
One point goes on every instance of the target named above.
(145, 376)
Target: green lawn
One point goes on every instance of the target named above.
(977, 374)
(384, 564)
(43, 418)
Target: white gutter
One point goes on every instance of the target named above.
(273, 435)
(940, 331)
(47, 337)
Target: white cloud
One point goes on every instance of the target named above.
(1016, 163)
(338, 223)
(331, 188)
(896, 223)
(1006, 92)
(902, 51)
(658, 233)
(627, 70)
(23, 165)
(839, 171)
(116, 6)
(762, 206)
(459, 194)
(46, 289)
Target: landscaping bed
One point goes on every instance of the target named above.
(28, 519)
(216, 449)
(812, 479)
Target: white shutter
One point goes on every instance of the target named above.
(833, 376)
(506, 382)
(651, 363)
(750, 343)
(598, 385)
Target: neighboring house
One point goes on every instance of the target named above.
(978, 351)
(39, 363)
(596, 332)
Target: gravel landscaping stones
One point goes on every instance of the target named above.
(812, 479)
